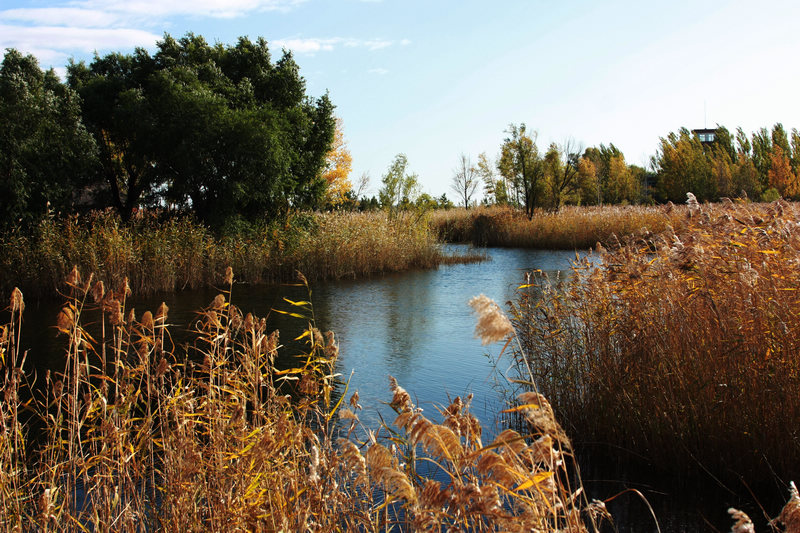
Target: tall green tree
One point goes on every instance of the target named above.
(761, 155)
(220, 129)
(46, 154)
(400, 188)
(682, 166)
(523, 168)
(565, 181)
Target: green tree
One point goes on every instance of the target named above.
(564, 179)
(220, 129)
(743, 145)
(723, 140)
(761, 155)
(46, 153)
(495, 190)
(682, 166)
(622, 185)
(400, 189)
(588, 182)
(523, 168)
(601, 159)
(745, 178)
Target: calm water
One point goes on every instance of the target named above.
(419, 328)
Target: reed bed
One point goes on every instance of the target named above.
(569, 228)
(136, 434)
(166, 253)
(681, 346)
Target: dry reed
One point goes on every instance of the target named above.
(682, 346)
(138, 435)
(569, 228)
(161, 253)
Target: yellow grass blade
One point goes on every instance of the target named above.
(535, 480)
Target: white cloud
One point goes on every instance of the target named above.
(61, 16)
(70, 27)
(306, 46)
(53, 44)
(379, 71)
(205, 8)
(314, 45)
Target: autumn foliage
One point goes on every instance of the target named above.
(338, 163)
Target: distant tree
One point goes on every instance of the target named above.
(722, 171)
(780, 174)
(724, 141)
(761, 155)
(622, 184)
(743, 145)
(46, 154)
(745, 178)
(682, 166)
(522, 167)
(221, 129)
(588, 182)
(400, 189)
(781, 138)
(444, 202)
(601, 158)
(338, 163)
(495, 190)
(795, 158)
(565, 181)
(362, 184)
(465, 179)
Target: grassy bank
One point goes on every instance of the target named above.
(683, 347)
(570, 228)
(137, 435)
(169, 253)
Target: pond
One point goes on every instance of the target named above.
(418, 327)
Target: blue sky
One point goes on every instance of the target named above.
(438, 78)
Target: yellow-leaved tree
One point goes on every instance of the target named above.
(338, 164)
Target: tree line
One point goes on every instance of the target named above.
(222, 131)
(762, 166)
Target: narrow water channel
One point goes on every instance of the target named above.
(418, 327)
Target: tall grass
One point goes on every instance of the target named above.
(569, 228)
(158, 253)
(135, 434)
(683, 346)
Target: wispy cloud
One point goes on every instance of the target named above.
(379, 71)
(70, 27)
(314, 45)
(39, 40)
(108, 12)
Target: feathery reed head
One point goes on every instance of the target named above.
(98, 291)
(147, 320)
(743, 523)
(17, 303)
(161, 313)
(493, 325)
(74, 277)
(790, 515)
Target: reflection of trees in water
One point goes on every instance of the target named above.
(407, 305)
